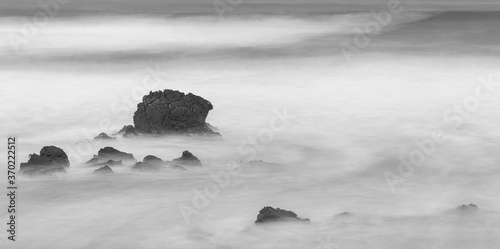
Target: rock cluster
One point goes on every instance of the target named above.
(173, 112)
(270, 214)
(109, 153)
(51, 159)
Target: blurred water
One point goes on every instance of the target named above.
(351, 123)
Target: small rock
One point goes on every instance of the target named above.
(187, 159)
(270, 214)
(103, 136)
(142, 166)
(471, 208)
(109, 153)
(128, 131)
(103, 170)
(108, 163)
(153, 160)
(51, 159)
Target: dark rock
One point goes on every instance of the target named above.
(128, 131)
(269, 214)
(104, 170)
(142, 166)
(51, 159)
(187, 159)
(108, 163)
(173, 112)
(152, 160)
(471, 208)
(103, 136)
(109, 153)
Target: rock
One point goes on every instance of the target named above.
(152, 160)
(103, 136)
(187, 159)
(173, 112)
(103, 171)
(51, 159)
(142, 166)
(128, 131)
(269, 214)
(471, 208)
(109, 153)
(108, 163)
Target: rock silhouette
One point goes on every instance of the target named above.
(471, 208)
(173, 112)
(103, 171)
(108, 163)
(270, 214)
(153, 160)
(109, 153)
(187, 159)
(142, 166)
(51, 159)
(103, 136)
(128, 131)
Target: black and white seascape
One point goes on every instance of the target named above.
(235, 124)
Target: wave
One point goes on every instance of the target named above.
(119, 35)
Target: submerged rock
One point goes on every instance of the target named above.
(471, 208)
(128, 131)
(51, 159)
(173, 112)
(153, 160)
(103, 136)
(142, 166)
(103, 170)
(270, 214)
(109, 153)
(187, 159)
(108, 163)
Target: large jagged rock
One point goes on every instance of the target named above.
(187, 159)
(51, 159)
(270, 214)
(109, 153)
(173, 112)
(103, 171)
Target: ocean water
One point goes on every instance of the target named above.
(336, 125)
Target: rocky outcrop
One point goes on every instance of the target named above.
(187, 159)
(104, 136)
(467, 209)
(51, 159)
(103, 171)
(109, 153)
(270, 214)
(173, 112)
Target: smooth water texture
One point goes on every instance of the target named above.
(349, 122)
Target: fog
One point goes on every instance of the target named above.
(348, 123)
